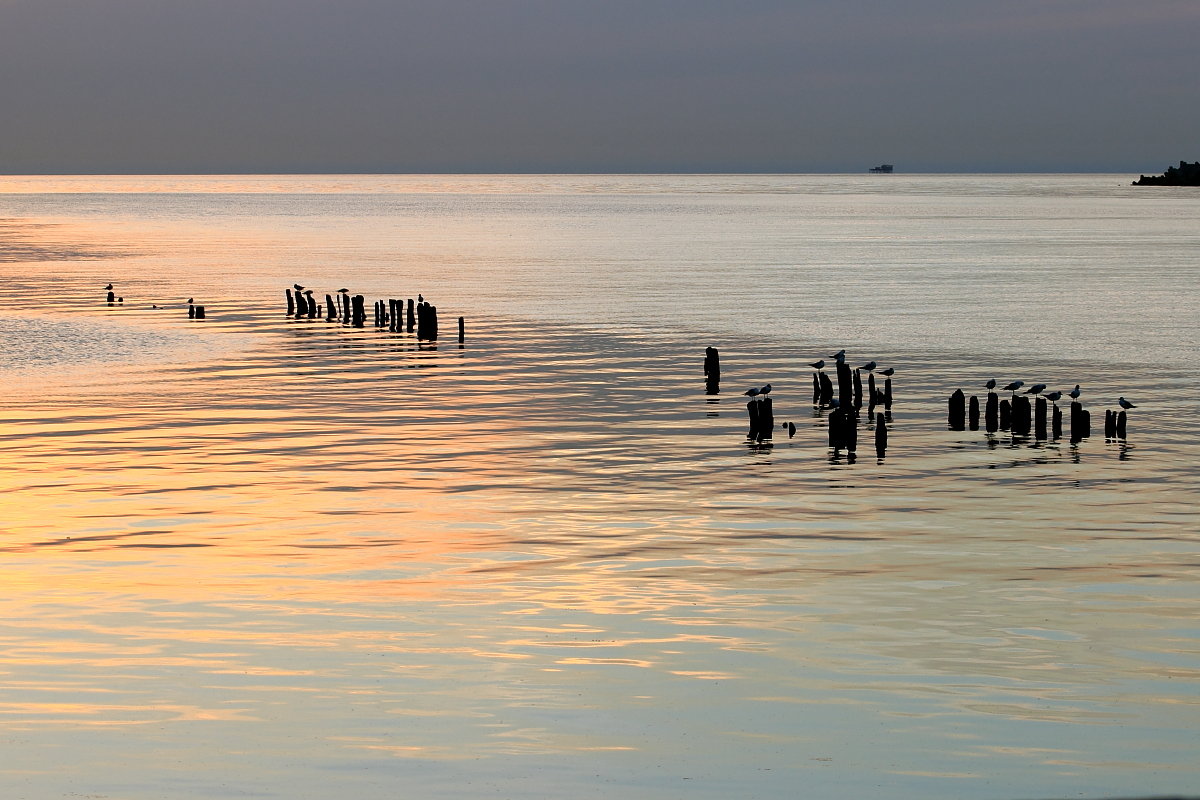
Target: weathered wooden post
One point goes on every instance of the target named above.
(1039, 418)
(191, 310)
(858, 389)
(330, 309)
(1022, 416)
(1056, 422)
(958, 410)
(312, 304)
(991, 413)
(836, 428)
(199, 312)
(462, 332)
(359, 312)
(301, 308)
(816, 390)
(871, 392)
(887, 393)
(1005, 415)
(112, 297)
(411, 316)
(291, 302)
(881, 435)
(845, 386)
(762, 418)
(1120, 425)
(973, 413)
(1081, 422)
(1110, 424)
(826, 391)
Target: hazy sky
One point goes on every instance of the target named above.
(597, 85)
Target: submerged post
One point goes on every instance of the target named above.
(199, 312)
(1022, 416)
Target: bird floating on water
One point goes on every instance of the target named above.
(1074, 393)
(869, 366)
(887, 373)
(818, 364)
(1121, 401)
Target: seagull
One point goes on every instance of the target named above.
(1053, 397)
(818, 364)
(765, 389)
(108, 288)
(1012, 387)
(420, 298)
(190, 301)
(791, 426)
(1074, 393)
(343, 291)
(1036, 389)
(887, 373)
(869, 366)
(1121, 401)
(752, 392)
(991, 384)
(839, 356)
(297, 287)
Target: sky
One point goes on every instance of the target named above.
(396, 86)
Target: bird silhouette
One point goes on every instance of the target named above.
(818, 364)
(869, 366)
(887, 373)
(752, 392)
(1074, 393)
(991, 384)
(766, 389)
(297, 287)
(1053, 397)
(190, 301)
(1036, 389)
(1121, 401)
(1012, 387)
(839, 356)
(108, 288)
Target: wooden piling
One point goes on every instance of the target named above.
(1056, 423)
(1121, 424)
(762, 418)
(845, 385)
(191, 310)
(1110, 424)
(991, 413)
(816, 390)
(291, 302)
(1005, 415)
(1039, 418)
(973, 413)
(881, 435)
(112, 297)
(358, 312)
(411, 316)
(887, 393)
(957, 411)
(712, 363)
(1081, 422)
(826, 391)
(330, 309)
(312, 305)
(199, 312)
(1022, 416)
(462, 332)
(858, 389)
(871, 393)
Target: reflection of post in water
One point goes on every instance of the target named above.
(712, 371)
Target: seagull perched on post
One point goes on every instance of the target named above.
(297, 287)
(765, 390)
(991, 384)
(1123, 403)
(818, 364)
(839, 356)
(1053, 397)
(1074, 393)
(1012, 387)
(752, 392)
(869, 366)
(1036, 389)
(887, 373)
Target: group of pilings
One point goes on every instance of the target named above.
(396, 316)
(850, 389)
(1019, 416)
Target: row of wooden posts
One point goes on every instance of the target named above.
(1024, 418)
(421, 317)
(843, 420)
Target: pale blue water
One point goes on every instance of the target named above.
(266, 557)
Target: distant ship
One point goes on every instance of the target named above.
(883, 169)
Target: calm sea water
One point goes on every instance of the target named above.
(257, 556)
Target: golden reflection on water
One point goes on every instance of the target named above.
(329, 550)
